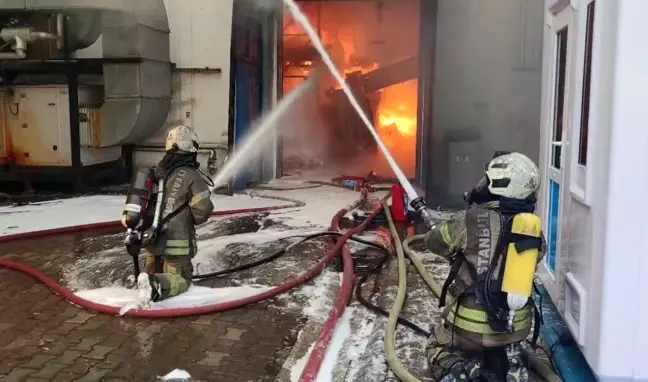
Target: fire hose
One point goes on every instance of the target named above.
(390, 332)
(326, 333)
(207, 309)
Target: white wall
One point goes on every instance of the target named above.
(602, 242)
(201, 32)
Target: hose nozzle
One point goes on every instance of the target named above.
(420, 206)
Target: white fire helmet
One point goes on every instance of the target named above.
(513, 176)
(183, 138)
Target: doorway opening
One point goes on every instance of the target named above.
(375, 44)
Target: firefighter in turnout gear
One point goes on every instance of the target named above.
(494, 247)
(185, 203)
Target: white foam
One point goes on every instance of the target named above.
(342, 332)
(97, 209)
(196, 296)
(298, 368)
(176, 374)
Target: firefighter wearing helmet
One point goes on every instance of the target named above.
(493, 246)
(185, 203)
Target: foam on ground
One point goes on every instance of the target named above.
(97, 209)
(196, 296)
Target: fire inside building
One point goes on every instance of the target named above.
(444, 83)
(379, 56)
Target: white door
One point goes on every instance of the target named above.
(561, 35)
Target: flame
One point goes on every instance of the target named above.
(364, 69)
(396, 113)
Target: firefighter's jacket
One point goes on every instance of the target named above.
(184, 188)
(475, 233)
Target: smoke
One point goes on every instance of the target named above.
(360, 37)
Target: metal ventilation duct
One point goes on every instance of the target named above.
(137, 95)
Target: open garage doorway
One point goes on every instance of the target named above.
(376, 45)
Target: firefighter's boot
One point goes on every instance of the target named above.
(517, 370)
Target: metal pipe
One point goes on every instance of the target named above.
(211, 161)
(60, 19)
(214, 146)
(20, 38)
(19, 50)
(27, 35)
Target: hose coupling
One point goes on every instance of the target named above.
(419, 205)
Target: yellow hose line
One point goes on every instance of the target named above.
(390, 333)
(541, 368)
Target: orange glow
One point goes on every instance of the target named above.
(360, 40)
(363, 69)
(396, 120)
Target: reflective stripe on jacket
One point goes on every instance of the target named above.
(475, 232)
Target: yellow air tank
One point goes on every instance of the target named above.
(519, 268)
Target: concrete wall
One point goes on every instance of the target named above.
(487, 89)
(201, 33)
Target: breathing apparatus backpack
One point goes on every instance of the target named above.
(507, 284)
(141, 215)
(142, 196)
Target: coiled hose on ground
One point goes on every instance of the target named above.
(193, 311)
(541, 368)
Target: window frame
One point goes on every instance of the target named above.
(559, 15)
(582, 175)
(555, 103)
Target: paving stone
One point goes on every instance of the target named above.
(80, 318)
(204, 320)
(233, 334)
(86, 344)
(17, 375)
(16, 344)
(5, 325)
(38, 361)
(48, 371)
(91, 325)
(93, 375)
(213, 358)
(99, 352)
(45, 338)
(68, 357)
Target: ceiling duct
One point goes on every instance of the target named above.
(137, 93)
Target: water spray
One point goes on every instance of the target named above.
(417, 202)
(268, 122)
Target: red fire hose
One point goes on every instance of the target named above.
(181, 312)
(316, 357)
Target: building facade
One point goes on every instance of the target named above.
(593, 149)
